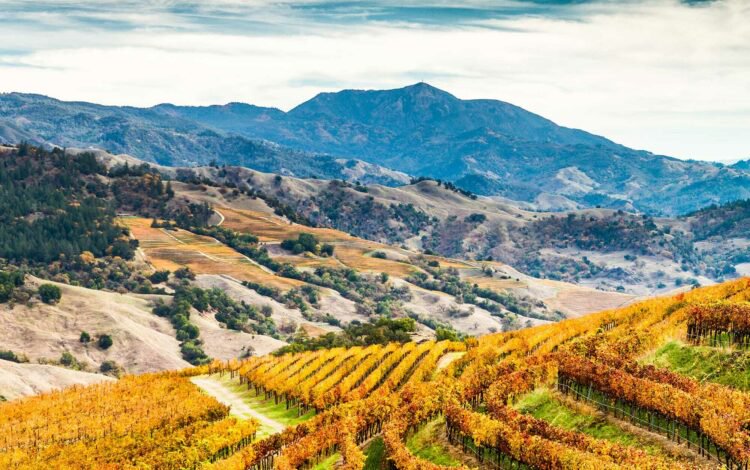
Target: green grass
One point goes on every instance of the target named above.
(543, 404)
(276, 412)
(328, 463)
(375, 454)
(427, 443)
(704, 363)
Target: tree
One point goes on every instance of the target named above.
(50, 293)
(85, 337)
(306, 242)
(105, 341)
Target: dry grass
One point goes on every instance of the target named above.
(580, 301)
(359, 256)
(273, 229)
(311, 262)
(350, 251)
(203, 255)
(449, 263)
(19, 380)
(143, 342)
(495, 283)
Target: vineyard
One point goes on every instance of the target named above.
(352, 396)
(172, 249)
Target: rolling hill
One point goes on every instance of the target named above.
(602, 248)
(222, 285)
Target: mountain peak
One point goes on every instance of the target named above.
(424, 87)
(410, 105)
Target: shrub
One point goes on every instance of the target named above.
(379, 255)
(446, 334)
(184, 273)
(9, 356)
(69, 360)
(85, 337)
(110, 368)
(326, 249)
(475, 218)
(50, 293)
(159, 276)
(105, 341)
(8, 283)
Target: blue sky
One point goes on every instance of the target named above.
(667, 76)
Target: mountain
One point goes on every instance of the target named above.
(158, 137)
(742, 165)
(487, 147)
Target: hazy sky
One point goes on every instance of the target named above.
(666, 76)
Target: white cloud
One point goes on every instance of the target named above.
(660, 76)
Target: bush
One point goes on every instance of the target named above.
(8, 283)
(475, 218)
(184, 273)
(85, 337)
(110, 368)
(326, 249)
(159, 276)
(379, 255)
(49, 293)
(446, 334)
(105, 341)
(69, 360)
(9, 356)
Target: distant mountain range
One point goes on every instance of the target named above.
(488, 147)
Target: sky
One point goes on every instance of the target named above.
(670, 77)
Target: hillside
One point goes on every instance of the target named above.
(173, 272)
(601, 248)
(581, 393)
(213, 266)
(21, 380)
(487, 147)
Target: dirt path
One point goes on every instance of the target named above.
(238, 407)
(222, 218)
(447, 359)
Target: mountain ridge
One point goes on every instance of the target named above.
(488, 147)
